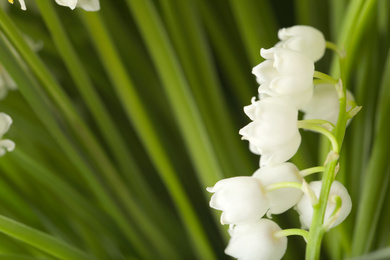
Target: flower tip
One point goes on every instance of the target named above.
(210, 189)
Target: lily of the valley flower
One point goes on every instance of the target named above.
(256, 241)
(273, 133)
(305, 39)
(87, 5)
(325, 104)
(285, 73)
(305, 208)
(284, 198)
(241, 199)
(5, 145)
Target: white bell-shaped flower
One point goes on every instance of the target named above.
(285, 73)
(305, 39)
(5, 145)
(256, 241)
(87, 5)
(274, 132)
(305, 209)
(325, 104)
(241, 199)
(284, 198)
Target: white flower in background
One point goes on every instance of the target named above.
(305, 209)
(325, 104)
(241, 199)
(256, 241)
(274, 132)
(305, 39)
(285, 73)
(284, 198)
(87, 5)
(21, 2)
(5, 145)
(6, 82)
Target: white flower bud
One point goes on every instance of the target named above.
(284, 198)
(241, 199)
(274, 131)
(5, 123)
(305, 209)
(305, 39)
(256, 241)
(285, 73)
(325, 104)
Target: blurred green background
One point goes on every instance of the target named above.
(126, 115)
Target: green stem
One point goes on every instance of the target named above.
(317, 229)
(292, 232)
(308, 171)
(325, 77)
(332, 46)
(314, 127)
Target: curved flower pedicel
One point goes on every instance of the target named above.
(280, 199)
(336, 210)
(305, 39)
(241, 199)
(325, 104)
(256, 241)
(274, 132)
(5, 145)
(285, 73)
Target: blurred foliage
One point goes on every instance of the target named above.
(126, 115)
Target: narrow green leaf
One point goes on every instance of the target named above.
(40, 240)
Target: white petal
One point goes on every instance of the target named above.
(5, 123)
(69, 3)
(256, 241)
(250, 110)
(281, 154)
(290, 85)
(22, 5)
(6, 145)
(265, 71)
(305, 39)
(289, 62)
(324, 104)
(285, 198)
(240, 198)
(89, 5)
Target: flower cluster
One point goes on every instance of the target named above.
(286, 86)
(87, 5)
